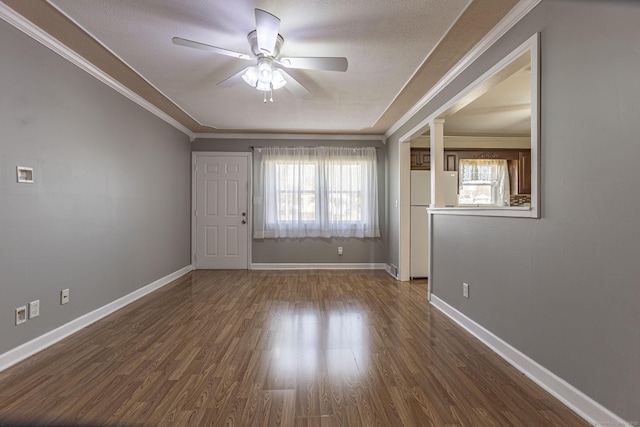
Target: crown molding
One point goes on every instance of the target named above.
(514, 16)
(27, 27)
(289, 136)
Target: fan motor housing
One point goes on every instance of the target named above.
(252, 37)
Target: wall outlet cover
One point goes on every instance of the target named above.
(34, 309)
(64, 296)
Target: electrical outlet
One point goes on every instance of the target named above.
(339, 250)
(465, 290)
(21, 314)
(34, 309)
(64, 296)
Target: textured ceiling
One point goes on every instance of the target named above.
(397, 51)
(505, 110)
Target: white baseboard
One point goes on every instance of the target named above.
(580, 403)
(32, 347)
(317, 266)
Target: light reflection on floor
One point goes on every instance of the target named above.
(311, 343)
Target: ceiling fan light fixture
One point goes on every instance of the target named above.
(278, 80)
(263, 76)
(263, 86)
(265, 43)
(250, 76)
(265, 70)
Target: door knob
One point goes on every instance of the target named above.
(244, 221)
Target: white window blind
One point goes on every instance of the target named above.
(315, 192)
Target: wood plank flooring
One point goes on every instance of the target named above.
(270, 348)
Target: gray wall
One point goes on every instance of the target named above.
(109, 211)
(565, 289)
(313, 250)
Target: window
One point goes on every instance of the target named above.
(483, 183)
(296, 190)
(315, 192)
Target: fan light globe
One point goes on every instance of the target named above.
(250, 76)
(263, 86)
(265, 73)
(278, 80)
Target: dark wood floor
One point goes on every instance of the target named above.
(294, 348)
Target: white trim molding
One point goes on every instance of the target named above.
(510, 211)
(580, 403)
(288, 136)
(514, 16)
(44, 38)
(40, 343)
(318, 266)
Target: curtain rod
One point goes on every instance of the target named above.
(251, 147)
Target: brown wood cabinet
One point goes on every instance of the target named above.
(524, 172)
(420, 159)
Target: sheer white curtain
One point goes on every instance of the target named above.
(315, 192)
(487, 172)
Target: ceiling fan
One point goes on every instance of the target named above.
(268, 74)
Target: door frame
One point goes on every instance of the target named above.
(194, 157)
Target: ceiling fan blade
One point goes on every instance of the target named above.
(292, 85)
(326, 63)
(267, 27)
(232, 80)
(208, 48)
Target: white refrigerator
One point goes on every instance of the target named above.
(420, 200)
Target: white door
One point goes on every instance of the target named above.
(221, 216)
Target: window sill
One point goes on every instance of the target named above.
(512, 211)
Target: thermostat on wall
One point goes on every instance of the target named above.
(24, 174)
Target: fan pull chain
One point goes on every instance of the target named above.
(270, 96)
